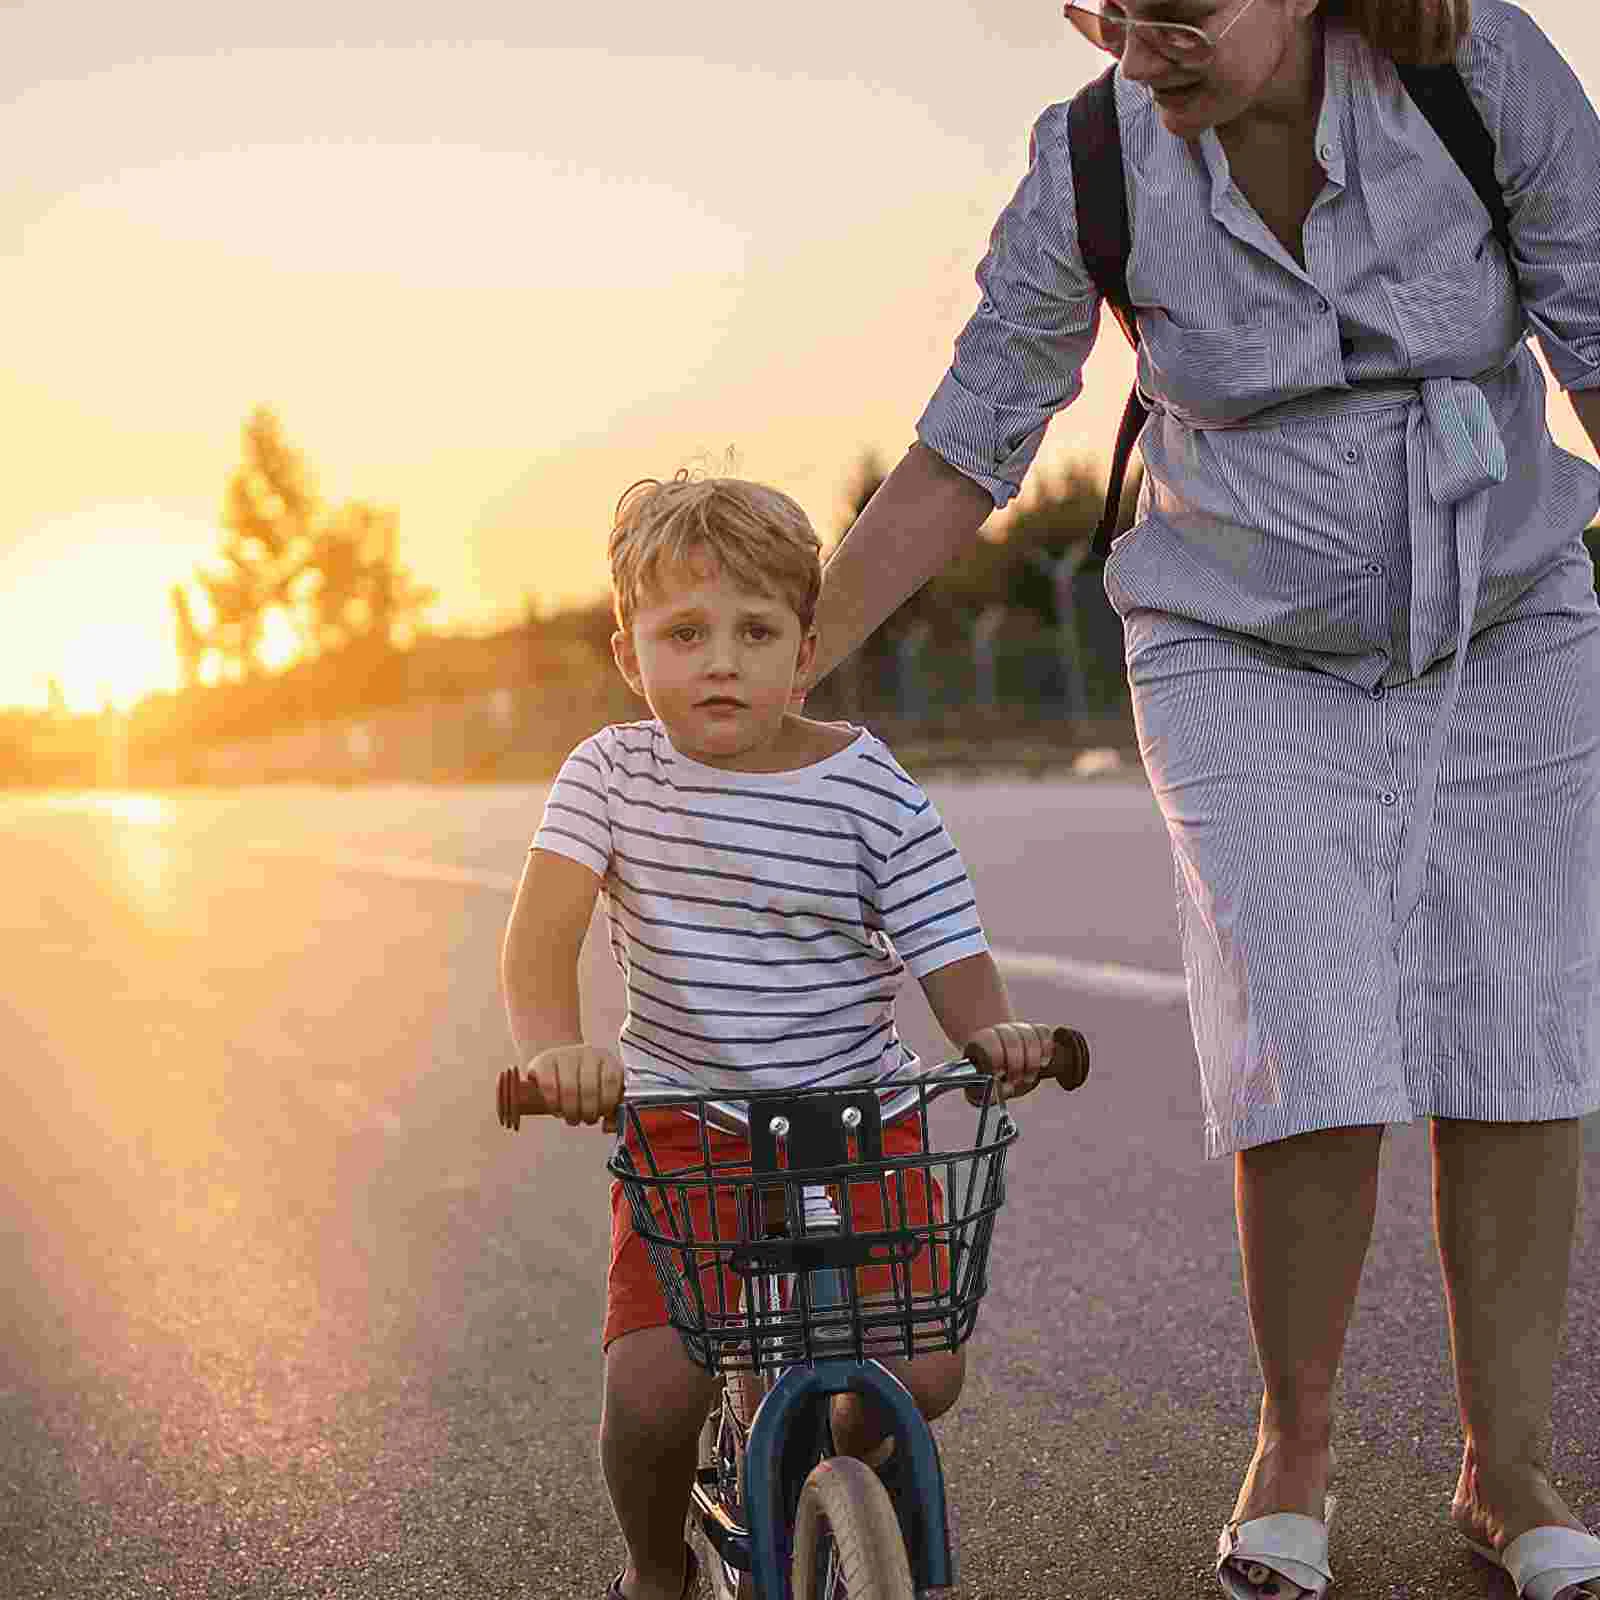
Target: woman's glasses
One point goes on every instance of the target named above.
(1108, 26)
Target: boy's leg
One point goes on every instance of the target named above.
(656, 1400)
(934, 1380)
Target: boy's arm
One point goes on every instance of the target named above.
(966, 996)
(539, 979)
(969, 999)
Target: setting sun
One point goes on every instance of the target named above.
(90, 606)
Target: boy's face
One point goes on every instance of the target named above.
(717, 663)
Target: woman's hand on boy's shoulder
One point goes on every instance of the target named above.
(1016, 1052)
(580, 1083)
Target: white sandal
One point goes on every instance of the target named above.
(1285, 1545)
(1545, 1562)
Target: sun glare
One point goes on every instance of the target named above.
(90, 609)
(280, 644)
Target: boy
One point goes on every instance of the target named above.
(756, 865)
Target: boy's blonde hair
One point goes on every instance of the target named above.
(757, 535)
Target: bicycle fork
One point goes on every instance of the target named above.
(797, 1403)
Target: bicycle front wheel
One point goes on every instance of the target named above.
(847, 1543)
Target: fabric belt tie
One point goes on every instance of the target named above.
(1454, 455)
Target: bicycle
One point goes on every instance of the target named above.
(774, 1513)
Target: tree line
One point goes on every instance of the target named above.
(328, 578)
(331, 574)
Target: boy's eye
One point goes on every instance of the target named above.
(686, 634)
(758, 631)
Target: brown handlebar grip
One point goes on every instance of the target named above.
(517, 1097)
(1069, 1060)
(1068, 1063)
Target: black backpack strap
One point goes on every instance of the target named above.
(1101, 198)
(1103, 235)
(1441, 96)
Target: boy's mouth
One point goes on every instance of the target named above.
(720, 702)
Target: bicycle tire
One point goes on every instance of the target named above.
(844, 1505)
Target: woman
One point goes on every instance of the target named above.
(1363, 644)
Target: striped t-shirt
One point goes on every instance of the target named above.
(762, 921)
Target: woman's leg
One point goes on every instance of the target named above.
(1305, 1207)
(1505, 1207)
(656, 1400)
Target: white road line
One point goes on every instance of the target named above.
(1096, 977)
(1088, 977)
(406, 867)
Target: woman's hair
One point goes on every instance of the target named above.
(757, 535)
(1422, 33)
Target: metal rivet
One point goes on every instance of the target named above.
(779, 1127)
(851, 1116)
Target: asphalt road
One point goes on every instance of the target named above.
(286, 1313)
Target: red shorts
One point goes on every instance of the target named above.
(633, 1296)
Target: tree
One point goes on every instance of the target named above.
(333, 573)
(357, 590)
(268, 510)
(191, 641)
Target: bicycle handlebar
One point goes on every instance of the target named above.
(517, 1097)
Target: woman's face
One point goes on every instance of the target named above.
(1261, 65)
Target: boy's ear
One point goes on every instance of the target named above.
(627, 661)
(806, 659)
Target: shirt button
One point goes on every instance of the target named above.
(1376, 691)
(1325, 150)
(1351, 454)
(1388, 797)
(1321, 305)
(1375, 568)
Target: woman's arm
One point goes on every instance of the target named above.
(1586, 402)
(922, 517)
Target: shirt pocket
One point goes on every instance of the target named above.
(1460, 319)
(1208, 375)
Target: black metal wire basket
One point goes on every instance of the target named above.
(734, 1236)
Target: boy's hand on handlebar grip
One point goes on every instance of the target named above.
(578, 1082)
(1015, 1052)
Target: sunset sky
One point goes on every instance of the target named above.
(489, 263)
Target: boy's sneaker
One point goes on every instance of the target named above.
(691, 1575)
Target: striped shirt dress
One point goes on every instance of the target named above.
(762, 922)
(1360, 619)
